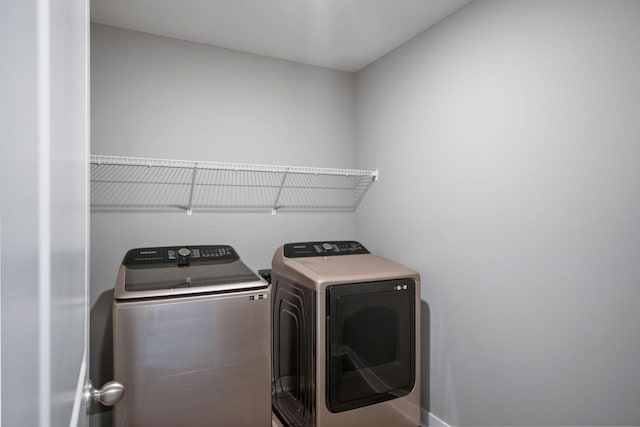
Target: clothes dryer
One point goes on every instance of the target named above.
(191, 339)
(346, 337)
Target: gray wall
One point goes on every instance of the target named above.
(508, 142)
(163, 98)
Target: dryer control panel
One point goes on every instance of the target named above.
(329, 248)
(170, 256)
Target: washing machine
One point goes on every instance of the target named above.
(346, 337)
(192, 339)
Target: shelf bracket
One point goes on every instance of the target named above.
(374, 178)
(193, 183)
(275, 203)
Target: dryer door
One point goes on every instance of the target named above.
(370, 343)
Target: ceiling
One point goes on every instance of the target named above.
(341, 34)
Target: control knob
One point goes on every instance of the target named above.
(184, 252)
(327, 246)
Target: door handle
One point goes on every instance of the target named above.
(108, 395)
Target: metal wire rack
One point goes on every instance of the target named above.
(133, 184)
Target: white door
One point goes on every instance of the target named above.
(44, 127)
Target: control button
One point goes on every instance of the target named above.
(171, 254)
(327, 246)
(195, 253)
(184, 252)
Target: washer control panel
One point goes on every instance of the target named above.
(329, 248)
(170, 256)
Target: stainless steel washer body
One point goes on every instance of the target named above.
(191, 339)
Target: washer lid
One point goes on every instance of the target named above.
(172, 271)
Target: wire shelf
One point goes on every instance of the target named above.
(133, 184)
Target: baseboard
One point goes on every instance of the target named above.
(427, 419)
